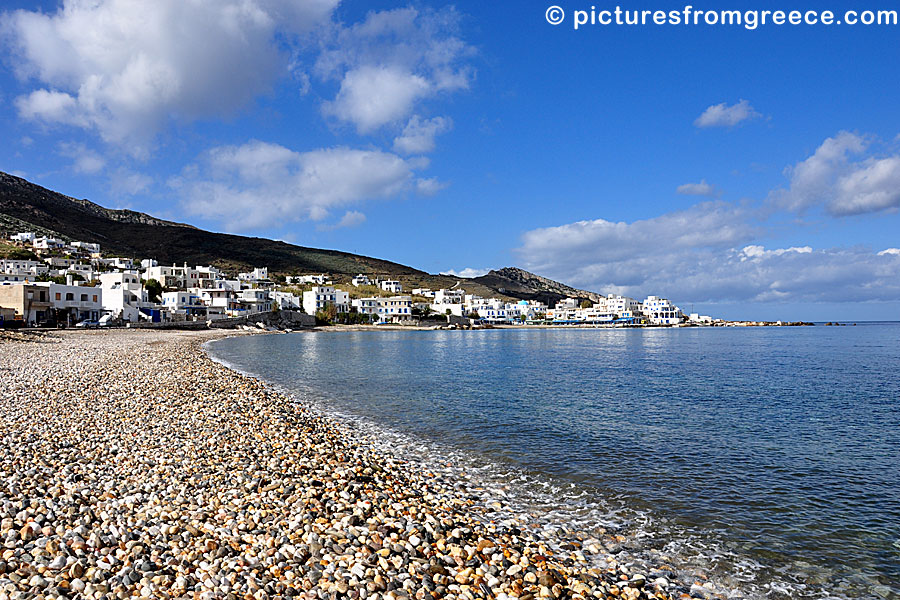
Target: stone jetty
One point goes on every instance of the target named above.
(132, 466)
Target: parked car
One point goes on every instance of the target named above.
(106, 321)
(88, 324)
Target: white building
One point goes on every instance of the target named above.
(361, 280)
(79, 302)
(25, 237)
(255, 301)
(123, 295)
(307, 279)
(395, 308)
(366, 306)
(286, 300)
(47, 243)
(184, 303)
(21, 270)
(449, 302)
(424, 292)
(87, 247)
(390, 285)
(622, 306)
(320, 297)
(257, 274)
(660, 311)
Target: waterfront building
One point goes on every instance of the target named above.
(659, 311)
(123, 295)
(28, 301)
(320, 297)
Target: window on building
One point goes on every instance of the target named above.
(69, 297)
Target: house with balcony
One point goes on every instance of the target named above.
(390, 285)
(75, 303)
(361, 280)
(27, 301)
(320, 297)
(123, 295)
(659, 311)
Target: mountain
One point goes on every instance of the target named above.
(519, 283)
(134, 234)
(25, 206)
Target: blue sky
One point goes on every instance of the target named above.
(746, 173)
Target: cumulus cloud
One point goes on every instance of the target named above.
(723, 115)
(467, 273)
(351, 218)
(390, 62)
(84, 160)
(418, 135)
(698, 189)
(706, 254)
(124, 182)
(260, 184)
(842, 178)
(124, 68)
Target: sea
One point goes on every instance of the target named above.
(759, 462)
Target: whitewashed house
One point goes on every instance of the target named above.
(320, 297)
(257, 274)
(255, 300)
(123, 295)
(21, 270)
(86, 247)
(660, 311)
(24, 237)
(47, 243)
(390, 285)
(366, 306)
(183, 303)
(361, 280)
(286, 300)
(78, 302)
(395, 308)
(308, 279)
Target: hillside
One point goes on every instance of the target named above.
(519, 283)
(25, 206)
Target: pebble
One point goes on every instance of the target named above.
(131, 465)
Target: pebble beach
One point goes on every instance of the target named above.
(134, 466)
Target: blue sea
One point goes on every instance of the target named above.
(764, 462)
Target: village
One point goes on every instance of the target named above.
(71, 283)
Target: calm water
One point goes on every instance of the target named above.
(769, 457)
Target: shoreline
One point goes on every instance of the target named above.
(172, 475)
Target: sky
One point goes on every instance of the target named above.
(743, 173)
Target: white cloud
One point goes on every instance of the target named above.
(260, 184)
(390, 62)
(467, 273)
(698, 189)
(352, 218)
(839, 177)
(890, 252)
(723, 115)
(85, 160)
(372, 96)
(705, 254)
(124, 182)
(430, 186)
(418, 135)
(126, 68)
